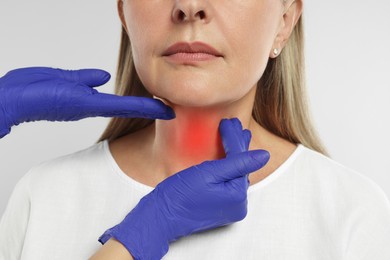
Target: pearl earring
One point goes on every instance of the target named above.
(276, 51)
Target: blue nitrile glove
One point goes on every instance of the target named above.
(202, 197)
(234, 138)
(41, 93)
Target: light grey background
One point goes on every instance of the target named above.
(348, 64)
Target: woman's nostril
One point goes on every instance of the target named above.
(202, 15)
(181, 15)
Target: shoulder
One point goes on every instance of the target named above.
(339, 182)
(78, 157)
(67, 167)
(330, 170)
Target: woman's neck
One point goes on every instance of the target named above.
(191, 138)
(167, 147)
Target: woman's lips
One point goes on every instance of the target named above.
(191, 53)
(190, 58)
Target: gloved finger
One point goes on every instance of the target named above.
(108, 105)
(236, 122)
(89, 77)
(247, 137)
(237, 165)
(29, 74)
(233, 137)
(26, 71)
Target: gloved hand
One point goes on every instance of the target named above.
(40, 93)
(202, 197)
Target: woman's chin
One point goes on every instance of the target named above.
(187, 101)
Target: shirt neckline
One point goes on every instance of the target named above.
(278, 172)
(259, 185)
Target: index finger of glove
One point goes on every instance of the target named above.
(89, 77)
(234, 139)
(108, 105)
(237, 165)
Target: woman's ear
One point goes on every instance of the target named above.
(121, 15)
(292, 12)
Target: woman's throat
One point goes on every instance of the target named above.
(192, 137)
(200, 141)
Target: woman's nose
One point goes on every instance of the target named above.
(190, 11)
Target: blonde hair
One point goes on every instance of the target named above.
(280, 106)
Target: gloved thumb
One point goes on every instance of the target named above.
(89, 77)
(237, 165)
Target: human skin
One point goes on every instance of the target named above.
(246, 33)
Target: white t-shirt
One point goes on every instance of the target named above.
(311, 207)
